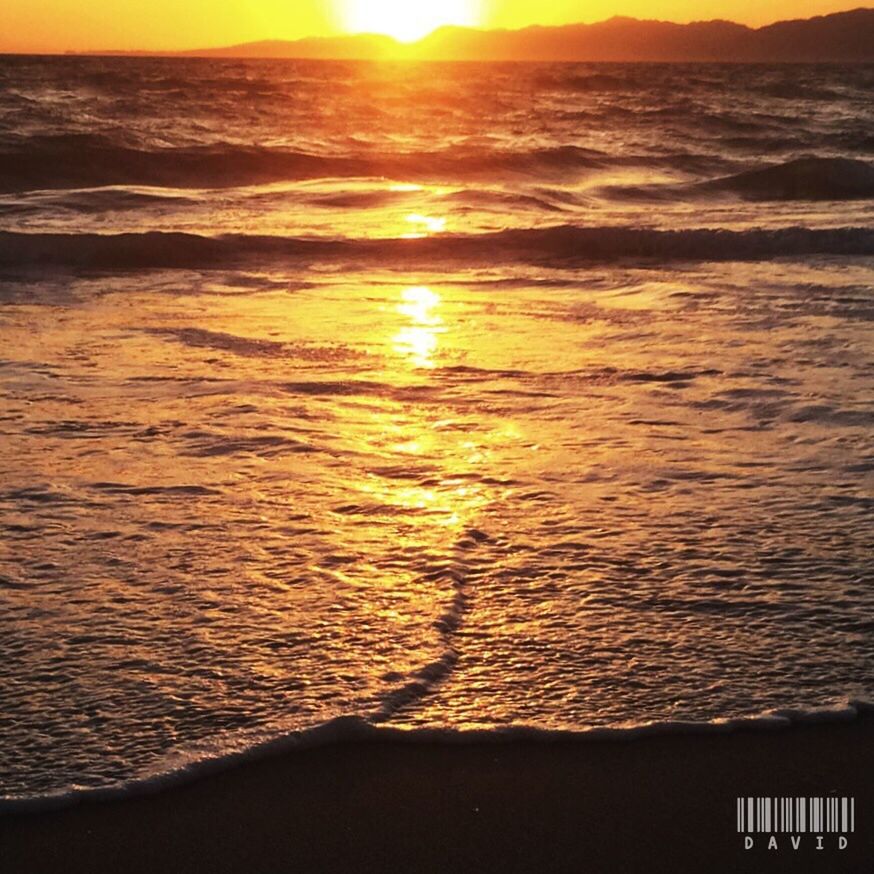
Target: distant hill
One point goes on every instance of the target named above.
(360, 46)
(843, 36)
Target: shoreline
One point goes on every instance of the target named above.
(658, 802)
(244, 749)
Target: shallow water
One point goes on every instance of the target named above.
(598, 468)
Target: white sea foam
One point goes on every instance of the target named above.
(182, 766)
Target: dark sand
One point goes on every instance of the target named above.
(650, 804)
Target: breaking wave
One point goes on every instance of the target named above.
(801, 179)
(67, 161)
(559, 245)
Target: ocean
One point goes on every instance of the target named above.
(343, 398)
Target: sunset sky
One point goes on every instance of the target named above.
(62, 25)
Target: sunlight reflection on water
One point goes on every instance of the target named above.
(418, 341)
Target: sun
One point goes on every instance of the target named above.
(406, 20)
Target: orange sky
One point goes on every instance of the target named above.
(60, 25)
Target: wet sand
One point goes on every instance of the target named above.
(647, 804)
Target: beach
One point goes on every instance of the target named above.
(648, 804)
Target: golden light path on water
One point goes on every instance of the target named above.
(452, 501)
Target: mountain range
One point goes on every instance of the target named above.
(840, 37)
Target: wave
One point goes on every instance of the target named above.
(186, 765)
(90, 201)
(77, 162)
(801, 179)
(811, 178)
(563, 245)
(132, 199)
(93, 160)
(590, 82)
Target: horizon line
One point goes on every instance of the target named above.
(410, 45)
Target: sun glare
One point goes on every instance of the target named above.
(406, 20)
(418, 339)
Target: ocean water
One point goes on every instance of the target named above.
(441, 397)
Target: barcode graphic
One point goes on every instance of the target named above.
(796, 815)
